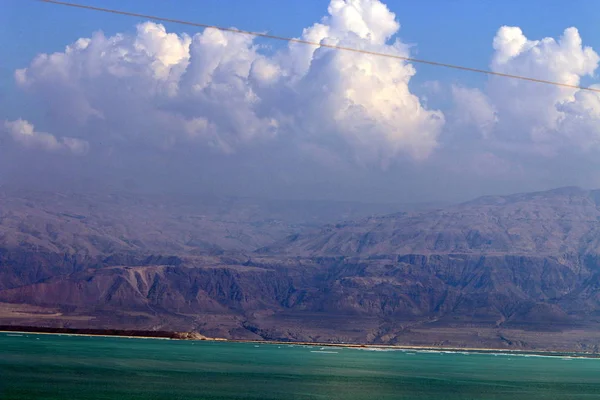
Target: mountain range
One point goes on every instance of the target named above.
(519, 271)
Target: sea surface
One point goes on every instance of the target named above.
(40, 366)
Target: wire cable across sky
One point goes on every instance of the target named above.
(317, 44)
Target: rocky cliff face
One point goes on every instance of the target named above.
(518, 271)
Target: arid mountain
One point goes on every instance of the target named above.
(103, 224)
(519, 271)
(561, 221)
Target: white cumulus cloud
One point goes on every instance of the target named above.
(362, 98)
(156, 88)
(545, 117)
(23, 133)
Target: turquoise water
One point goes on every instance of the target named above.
(79, 367)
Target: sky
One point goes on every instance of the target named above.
(92, 101)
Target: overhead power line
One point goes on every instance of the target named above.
(317, 44)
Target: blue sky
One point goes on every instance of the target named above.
(452, 31)
(460, 142)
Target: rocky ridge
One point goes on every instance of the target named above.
(519, 271)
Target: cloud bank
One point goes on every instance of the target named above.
(545, 118)
(217, 88)
(230, 110)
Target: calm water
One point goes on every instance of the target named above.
(72, 367)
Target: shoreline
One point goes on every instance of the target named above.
(475, 350)
(190, 336)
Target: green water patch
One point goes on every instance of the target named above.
(79, 367)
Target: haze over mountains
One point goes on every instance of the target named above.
(559, 221)
(95, 224)
(518, 271)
